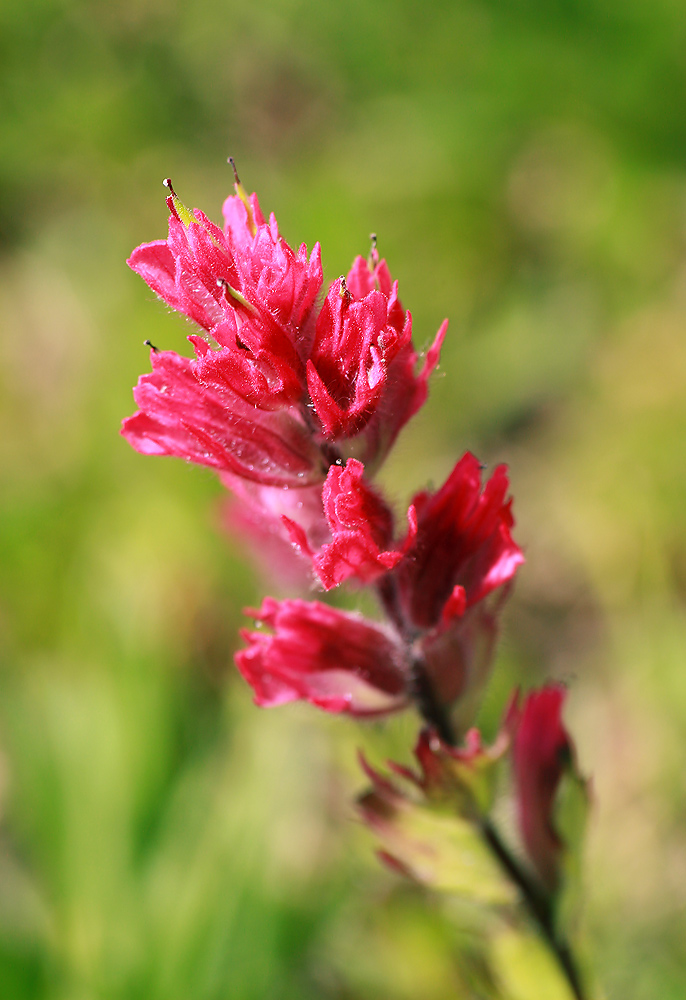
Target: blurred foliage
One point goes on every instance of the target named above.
(523, 164)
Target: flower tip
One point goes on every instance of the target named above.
(232, 162)
(243, 195)
(176, 206)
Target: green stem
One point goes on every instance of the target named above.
(539, 907)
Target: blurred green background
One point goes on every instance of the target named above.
(524, 165)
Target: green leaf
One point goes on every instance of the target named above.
(445, 852)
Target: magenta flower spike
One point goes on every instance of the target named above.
(295, 397)
(338, 661)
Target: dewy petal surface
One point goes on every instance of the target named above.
(405, 388)
(338, 661)
(279, 285)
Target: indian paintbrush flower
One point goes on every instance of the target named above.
(288, 388)
(295, 397)
(461, 549)
(361, 530)
(338, 661)
(447, 592)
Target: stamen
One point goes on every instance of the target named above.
(243, 195)
(233, 293)
(148, 343)
(236, 178)
(176, 206)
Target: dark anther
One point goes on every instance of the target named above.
(152, 347)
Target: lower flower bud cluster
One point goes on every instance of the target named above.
(461, 783)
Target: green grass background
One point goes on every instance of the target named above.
(523, 163)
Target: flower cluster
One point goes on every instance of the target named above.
(289, 387)
(295, 397)
(296, 402)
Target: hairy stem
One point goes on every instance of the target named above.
(429, 705)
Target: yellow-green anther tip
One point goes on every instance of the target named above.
(243, 195)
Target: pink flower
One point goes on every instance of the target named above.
(179, 416)
(338, 661)
(462, 548)
(542, 753)
(457, 551)
(240, 409)
(360, 525)
(361, 370)
(353, 349)
(259, 516)
(404, 391)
